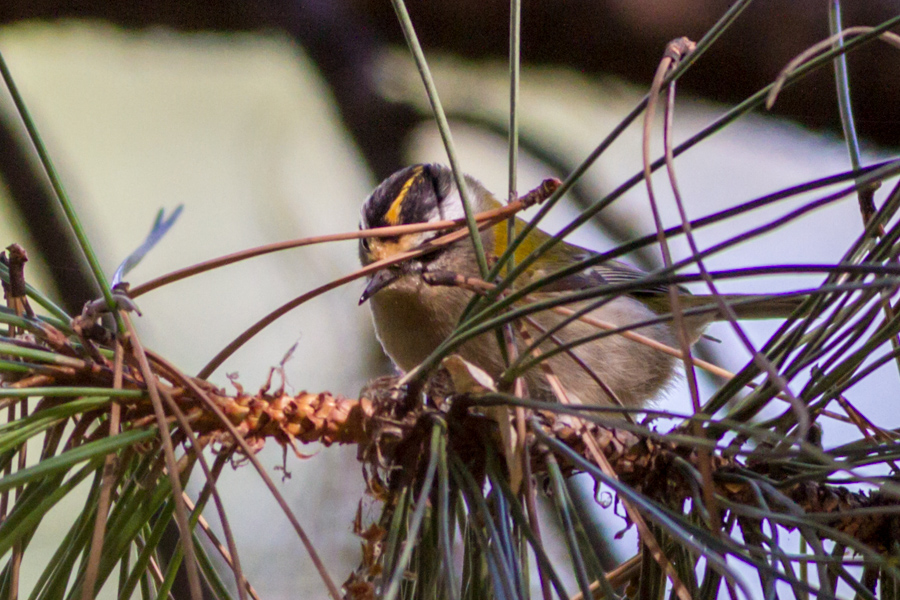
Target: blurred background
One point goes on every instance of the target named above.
(273, 120)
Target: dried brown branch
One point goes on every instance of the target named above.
(390, 432)
(649, 466)
(377, 423)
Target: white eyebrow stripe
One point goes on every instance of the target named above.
(450, 208)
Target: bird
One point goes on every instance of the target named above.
(413, 317)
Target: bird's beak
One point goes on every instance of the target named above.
(381, 279)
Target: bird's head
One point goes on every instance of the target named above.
(424, 193)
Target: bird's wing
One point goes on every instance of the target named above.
(607, 274)
(563, 254)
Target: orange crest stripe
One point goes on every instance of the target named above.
(393, 213)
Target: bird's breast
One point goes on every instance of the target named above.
(412, 318)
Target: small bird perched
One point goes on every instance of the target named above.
(412, 318)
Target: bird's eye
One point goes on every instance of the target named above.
(364, 243)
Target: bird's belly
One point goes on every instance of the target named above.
(631, 370)
(410, 327)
